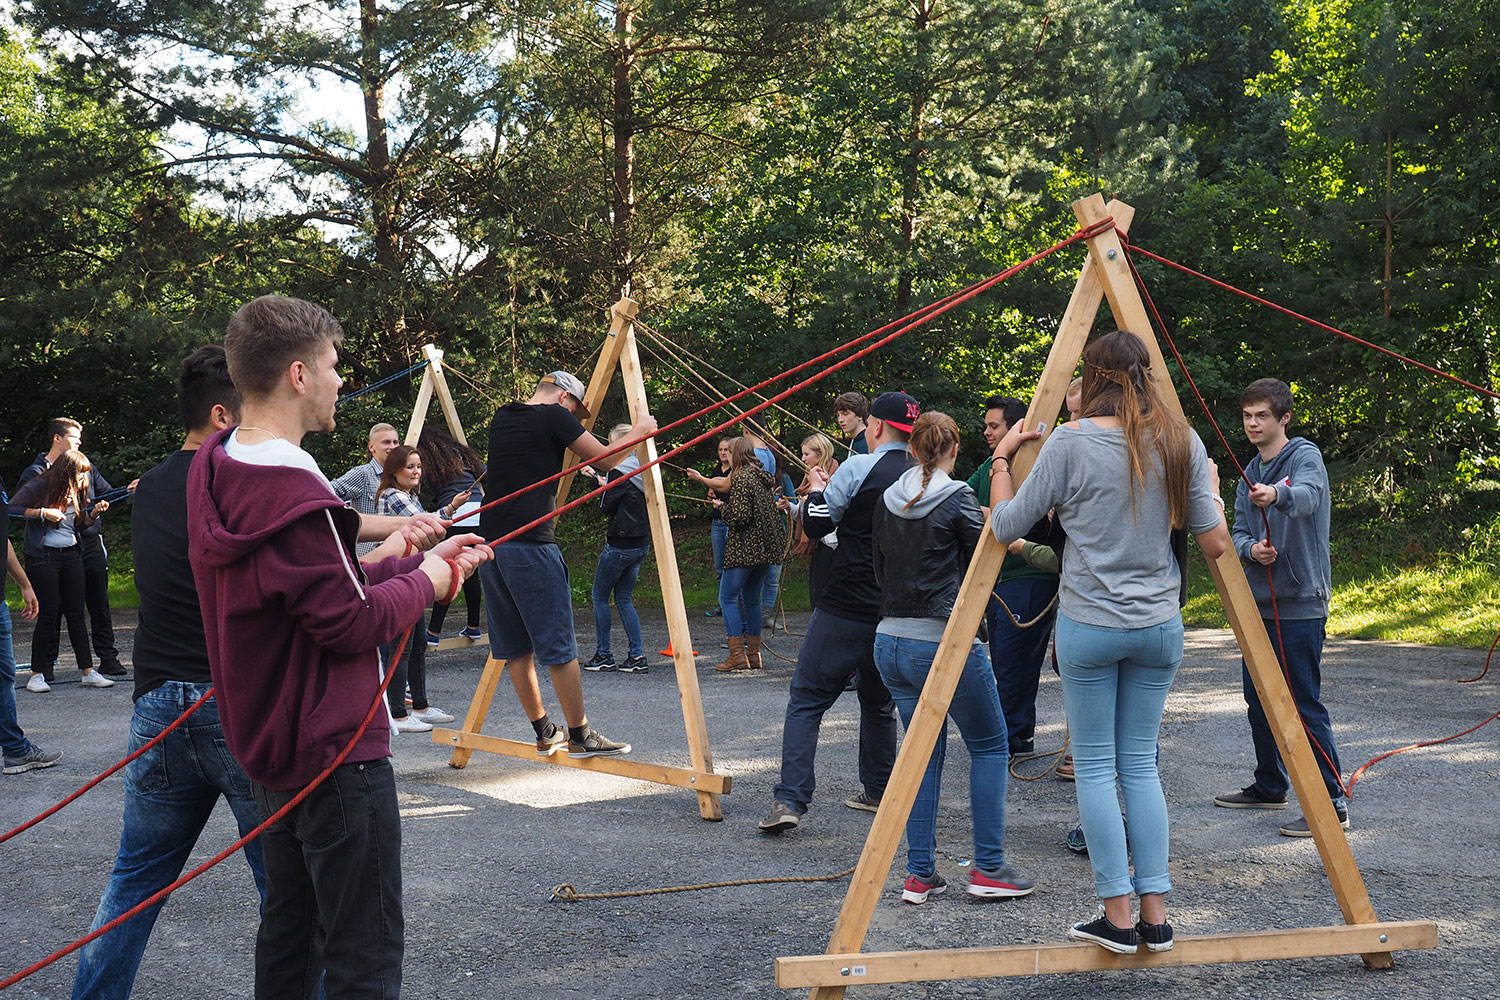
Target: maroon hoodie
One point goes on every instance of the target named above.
(292, 619)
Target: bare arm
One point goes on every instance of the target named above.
(29, 605)
(589, 449)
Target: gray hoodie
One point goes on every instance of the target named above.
(1302, 572)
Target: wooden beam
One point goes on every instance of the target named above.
(621, 313)
(1032, 960)
(479, 707)
(419, 411)
(1244, 614)
(445, 398)
(623, 766)
(459, 642)
(671, 582)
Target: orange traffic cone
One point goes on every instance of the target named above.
(668, 651)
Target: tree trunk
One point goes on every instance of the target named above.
(623, 120)
(1390, 222)
(911, 172)
(391, 334)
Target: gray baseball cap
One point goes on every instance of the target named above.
(570, 385)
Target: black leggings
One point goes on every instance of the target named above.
(58, 579)
(473, 604)
(411, 670)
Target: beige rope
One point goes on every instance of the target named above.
(568, 893)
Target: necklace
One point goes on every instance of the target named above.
(273, 437)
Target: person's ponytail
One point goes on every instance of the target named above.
(933, 436)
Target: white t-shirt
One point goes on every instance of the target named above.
(276, 451)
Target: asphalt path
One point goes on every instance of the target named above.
(483, 846)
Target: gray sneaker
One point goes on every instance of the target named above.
(594, 745)
(863, 801)
(1296, 828)
(32, 760)
(781, 818)
(1248, 798)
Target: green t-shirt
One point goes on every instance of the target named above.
(1014, 567)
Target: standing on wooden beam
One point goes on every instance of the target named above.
(1120, 478)
(526, 593)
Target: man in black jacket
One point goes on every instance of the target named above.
(63, 435)
(841, 636)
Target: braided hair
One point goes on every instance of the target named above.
(933, 436)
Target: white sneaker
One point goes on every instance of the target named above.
(432, 714)
(412, 724)
(94, 679)
(38, 684)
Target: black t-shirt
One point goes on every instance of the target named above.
(526, 446)
(169, 642)
(714, 471)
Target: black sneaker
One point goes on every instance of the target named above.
(112, 669)
(1022, 748)
(1120, 940)
(601, 661)
(635, 665)
(1156, 937)
(554, 741)
(1248, 798)
(32, 760)
(1077, 842)
(594, 745)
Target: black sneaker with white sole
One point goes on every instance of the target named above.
(601, 661)
(635, 665)
(1156, 937)
(594, 745)
(1120, 940)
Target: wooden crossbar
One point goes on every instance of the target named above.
(625, 767)
(460, 642)
(874, 968)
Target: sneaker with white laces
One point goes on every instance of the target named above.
(998, 883)
(412, 724)
(432, 715)
(32, 760)
(1120, 940)
(594, 745)
(919, 887)
(94, 679)
(38, 684)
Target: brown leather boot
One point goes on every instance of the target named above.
(752, 651)
(737, 660)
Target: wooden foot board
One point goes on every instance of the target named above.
(698, 781)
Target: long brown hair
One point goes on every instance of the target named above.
(933, 436)
(742, 455)
(394, 463)
(61, 476)
(1117, 382)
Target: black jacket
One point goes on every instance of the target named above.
(851, 591)
(920, 562)
(626, 507)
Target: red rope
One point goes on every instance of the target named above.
(275, 817)
(1347, 787)
(151, 743)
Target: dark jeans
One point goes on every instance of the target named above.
(57, 578)
(617, 573)
(411, 671)
(1017, 653)
(333, 889)
(718, 537)
(169, 794)
(1303, 657)
(833, 649)
(96, 599)
(473, 605)
(13, 742)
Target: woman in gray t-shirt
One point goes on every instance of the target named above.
(1120, 478)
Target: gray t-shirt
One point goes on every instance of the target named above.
(1117, 570)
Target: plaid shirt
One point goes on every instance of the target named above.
(358, 486)
(398, 503)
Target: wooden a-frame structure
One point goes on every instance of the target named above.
(1106, 275)
(619, 351)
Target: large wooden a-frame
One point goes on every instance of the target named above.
(1106, 275)
(619, 351)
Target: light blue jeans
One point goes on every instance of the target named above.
(1115, 683)
(903, 665)
(12, 740)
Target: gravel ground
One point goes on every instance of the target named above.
(484, 845)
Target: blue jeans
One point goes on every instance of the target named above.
(1115, 683)
(833, 649)
(1017, 653)
(742, 584)
(903, 665)
(617, 571)
(169, 794)
(13, 742)
(1303, 657)
(770, 588)
(718, 537)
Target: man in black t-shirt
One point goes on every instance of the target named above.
(526, 594)
(172, 789)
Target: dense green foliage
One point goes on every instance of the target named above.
(767, 179)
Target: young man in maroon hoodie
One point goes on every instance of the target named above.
(293, 621)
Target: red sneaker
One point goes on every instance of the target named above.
(999, 882)
(917, 888)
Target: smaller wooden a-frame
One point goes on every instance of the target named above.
(1105, 275)
(619, 351)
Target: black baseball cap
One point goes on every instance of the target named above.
(897, 409)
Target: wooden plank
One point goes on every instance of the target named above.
(621, 313)
(942, 679)
(459, 642)
(479, 707)
(1244, 615)
(671, 582)
(625, 767)
(419, 410)
(445, 398)
(1046, 959)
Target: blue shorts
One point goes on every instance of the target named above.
(529, 604)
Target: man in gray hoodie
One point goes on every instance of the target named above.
(1281, 533)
